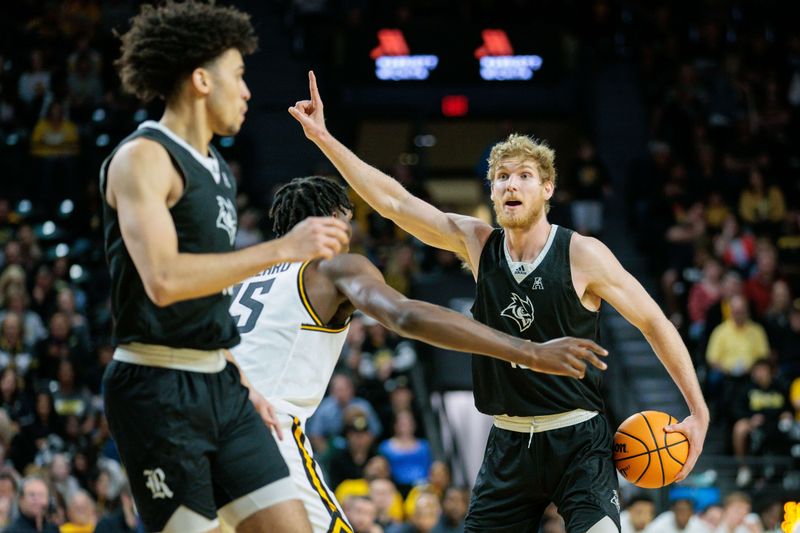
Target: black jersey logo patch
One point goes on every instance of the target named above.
(520, 311)
(226, 219)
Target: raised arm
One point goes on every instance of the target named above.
(606, 278)
(362, 284)
(138, 188)
(458, 233)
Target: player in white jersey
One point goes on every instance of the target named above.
(293, 319)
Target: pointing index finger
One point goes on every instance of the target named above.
(312, 87)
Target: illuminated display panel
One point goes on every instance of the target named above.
(455, 54)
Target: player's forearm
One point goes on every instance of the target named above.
(382, 192)
(672, 352)
(188, 276)
(451, 330)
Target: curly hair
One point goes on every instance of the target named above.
(166, 43)
(312, 196)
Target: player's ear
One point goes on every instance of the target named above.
(549, 189)
(201, 81)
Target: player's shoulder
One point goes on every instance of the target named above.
(139, 156)
(585, 251)
(471, 225)
(344, 264)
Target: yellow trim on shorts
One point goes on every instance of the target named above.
(338, 525)
(304, 298)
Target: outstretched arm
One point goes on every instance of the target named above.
(458, 233)
(362, 284)
(607, 279)
(138, 187)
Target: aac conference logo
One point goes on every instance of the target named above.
(497, 59)
(394, 62)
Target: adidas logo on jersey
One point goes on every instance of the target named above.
(520, 270)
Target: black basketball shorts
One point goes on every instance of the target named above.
(187, 438)
(570, 467)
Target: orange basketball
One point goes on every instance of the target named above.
(645, 454)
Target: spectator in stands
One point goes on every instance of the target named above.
(33, 437)
(679, 519)
(454, 510)
(383, 353)
(711, 516)
(787, 352)
(409, 457)
(43, 294)
(734, 346)
(33, 508)
(17, 301)
(736, 247)
(776, 317)
(13, 398)
(589, 189)
(771, 516)
(438, 482)
(736, 516)
(638, 514)
(124, 518)
(14, 352)
(55, 145)
(377, 467)
(34, 83)
(328, 420)
(85, 88)
(759, 407)
(758, 288)
(362, 513)
(78, 323)
(387, 502)
(426, 515)
(761, 206)
(61, 479)
(60, 344)
(81, 514)
(348, 461)
(30, 251)
(702, 296)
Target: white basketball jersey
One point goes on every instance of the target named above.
(286, 352)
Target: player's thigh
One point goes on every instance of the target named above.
(324, 511)
(502, 498)
(163, 453)
(285, 517)
(249, 471)
(588, 489)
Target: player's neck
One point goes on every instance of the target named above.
(525, 244)
(189, 122)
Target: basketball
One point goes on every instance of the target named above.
(645, 454)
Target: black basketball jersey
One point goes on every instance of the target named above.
(206, 222)
(541, 307)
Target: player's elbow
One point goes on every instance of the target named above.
(159, 291)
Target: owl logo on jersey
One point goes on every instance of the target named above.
(226, 219)
(520, 311)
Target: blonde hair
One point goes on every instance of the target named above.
(527, 148)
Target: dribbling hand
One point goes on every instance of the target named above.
(316, 237)
(567, 356)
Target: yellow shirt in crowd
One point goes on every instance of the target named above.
(734, 349)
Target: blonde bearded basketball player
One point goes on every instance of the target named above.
(293, 319)
(535, 281)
